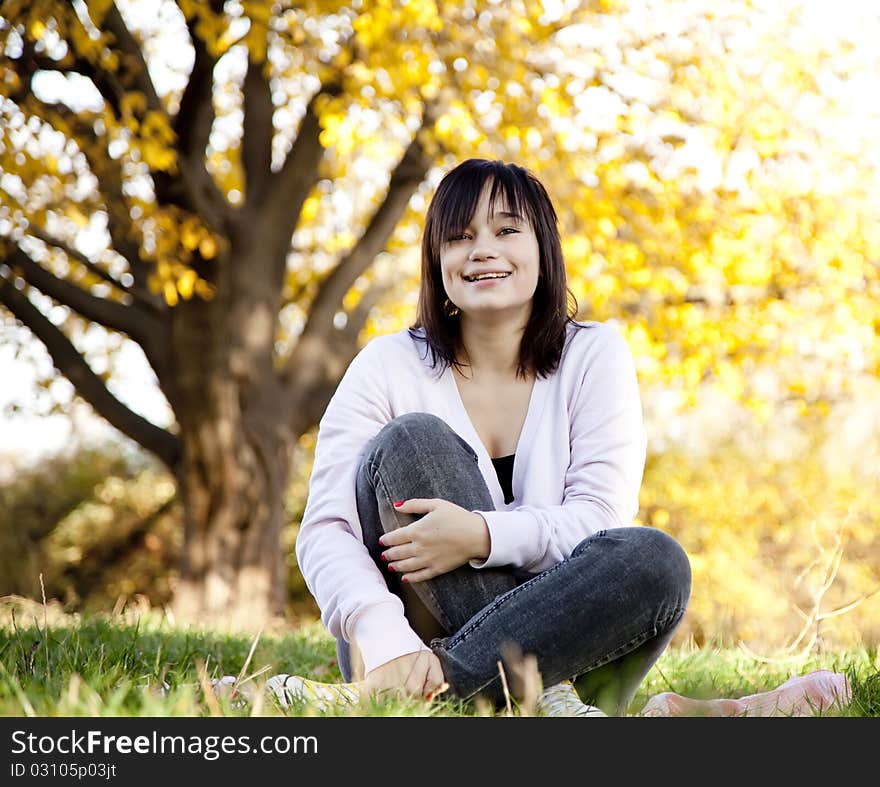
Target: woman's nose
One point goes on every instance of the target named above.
(482, 251)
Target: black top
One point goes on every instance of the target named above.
(504, 471)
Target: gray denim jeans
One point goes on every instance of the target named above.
(601, 617)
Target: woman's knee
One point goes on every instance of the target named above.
(416, 434)
(656, 557)
(666, 559)
(413, 428)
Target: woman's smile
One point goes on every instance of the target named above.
(489, 281)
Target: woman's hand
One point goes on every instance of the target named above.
(417, 674)
(445, 538)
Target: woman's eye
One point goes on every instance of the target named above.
(465, 236)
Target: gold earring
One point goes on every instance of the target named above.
(447, 311)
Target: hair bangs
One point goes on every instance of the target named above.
(457, 203)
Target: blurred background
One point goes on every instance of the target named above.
(206, 208)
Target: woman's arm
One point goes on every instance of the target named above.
(350, 591)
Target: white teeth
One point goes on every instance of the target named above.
(482, 276)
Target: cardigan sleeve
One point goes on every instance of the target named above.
(607, 459)
(347, 585)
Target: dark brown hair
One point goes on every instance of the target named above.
(450, 211)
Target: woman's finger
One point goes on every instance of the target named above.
(419, 576)
(435, 680)
(402, 535)
(416, 505)
(406, 566)
(398, 553)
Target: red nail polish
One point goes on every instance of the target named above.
(404, 579)
(381, 543)
(398, 503)
(384, 558)
(390, 567)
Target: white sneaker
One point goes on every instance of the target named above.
(563, 700)
(324, 696)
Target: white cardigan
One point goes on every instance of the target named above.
(578, 469)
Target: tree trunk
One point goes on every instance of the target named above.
(236, 440)
(232, 483)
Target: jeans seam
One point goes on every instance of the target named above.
(587, 542)
(377, 482)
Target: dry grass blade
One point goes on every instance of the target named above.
(504, 685)
(251, 677)
(247, 661)
(73, 689)
(208, 689)
(259, 700)
(525, 679)
(842, 610)
(46, 627)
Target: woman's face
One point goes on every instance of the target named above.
(501, 244)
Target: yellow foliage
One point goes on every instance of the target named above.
(38, 29)
(186, 284)
(204, 290)
(256, 43)
(208, 246)
(310, 208)
(759, 533)
(606, 227)
(190, 233)
(133, 103)
(169, 292)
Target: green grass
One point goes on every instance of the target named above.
(100, 666)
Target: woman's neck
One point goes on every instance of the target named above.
(491, 348)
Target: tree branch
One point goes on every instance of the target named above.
(74, 254)
(130, 49)
(293, 182)
(203, 195)
(256, 146)
(323, 352)
(87, 384)
(358, 316)
(130, 320)
(192, 125)
(317, 373)
(108, 172)
(405, 179)
(320, 362)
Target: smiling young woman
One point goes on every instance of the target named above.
(476, 478)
